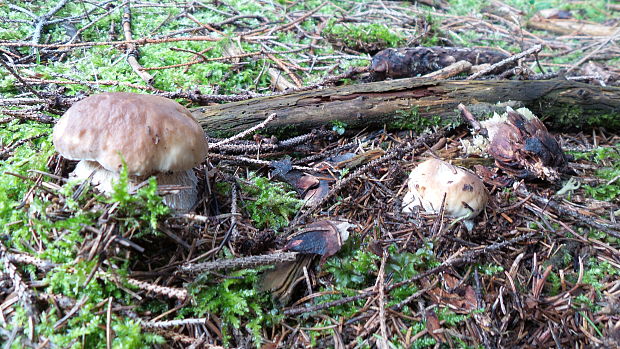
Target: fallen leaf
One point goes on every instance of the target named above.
(461, 299)
(281, 280)
(312, 187)
(432, 324)
(492, 177)
(324, 238)
(315, 194)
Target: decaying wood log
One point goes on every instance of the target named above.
(410, 62)
(559, 103)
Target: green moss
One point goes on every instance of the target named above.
(234, 300)
(355, 268)
(31, 226)
(434, 34)
(339, 127)
(364, 37)
(598, 273)
(352, 270)
(491, 269)
(572, 117)
(142, 208)
(593, 10)
(412, 120)
(29, 156)
(270, 204)
(604, 155)
(467, 7)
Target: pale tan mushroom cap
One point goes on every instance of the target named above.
(151, 133)
(465, 193)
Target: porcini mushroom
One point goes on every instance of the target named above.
(465, 194)
(153, 135)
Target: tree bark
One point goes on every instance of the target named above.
(560, 103)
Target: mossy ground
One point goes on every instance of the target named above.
(52, 224)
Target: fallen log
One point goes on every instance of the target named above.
(562, 104)
(410, 62)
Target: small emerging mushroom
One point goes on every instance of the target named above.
(465, 194)
(153, 135)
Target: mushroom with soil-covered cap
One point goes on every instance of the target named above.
(465, 194)
(153, 135)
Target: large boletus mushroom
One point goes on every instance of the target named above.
(153, 135)
(434, 182)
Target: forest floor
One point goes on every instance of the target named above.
(82, 269)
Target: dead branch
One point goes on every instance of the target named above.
(377, 103)
(20, 288)
(19, 78)
(512, 59)
(132, 49)
(450, 71)
(44, 20)
(583, 220)
(239, 263)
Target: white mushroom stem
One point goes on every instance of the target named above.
(184, 199)
(181, 200)
(101, 178)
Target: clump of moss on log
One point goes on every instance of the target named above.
(574, 118)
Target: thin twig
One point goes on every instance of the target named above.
(44, 19)
(383, 342)
(234, 232)
(261, 125)
(169, 292)
(62, 321)
(242, 159)
(132, 49)
(4, 153)
(454, 260)
(20, 79)
(580, 219)
(597, 49)
(173, 323)
(20, 288)
(239, 263)
(531, 50)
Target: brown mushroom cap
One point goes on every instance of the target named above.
(465, 194)
(151, 133)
